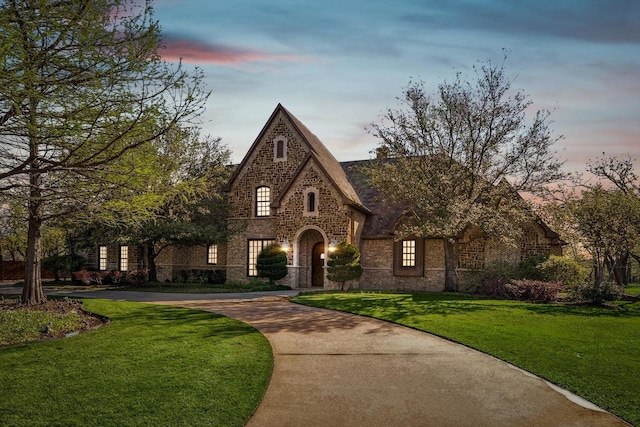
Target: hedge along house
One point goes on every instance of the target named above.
(289, 189)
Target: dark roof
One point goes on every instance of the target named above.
(384, 217)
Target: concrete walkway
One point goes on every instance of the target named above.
(337, 369)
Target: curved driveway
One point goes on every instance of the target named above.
(338, 369)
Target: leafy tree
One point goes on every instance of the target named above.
(193, 209)
(272, 263)
(344, 264)
(459, 157)
(608, 223)
(83, 92)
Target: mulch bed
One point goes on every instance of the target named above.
(90, 321)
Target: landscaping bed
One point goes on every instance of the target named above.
(56, 318)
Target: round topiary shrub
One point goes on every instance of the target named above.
(344, 264)
(272, 263)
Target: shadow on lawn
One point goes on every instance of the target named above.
(617, 310)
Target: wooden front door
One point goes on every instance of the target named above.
(317, 265)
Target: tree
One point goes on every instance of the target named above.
(193, 209)
(272, 263)
(344, 264)
(608, 223)
(83, 92)
(459, 158)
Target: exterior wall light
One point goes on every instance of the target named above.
(285, 245)
(332, 245)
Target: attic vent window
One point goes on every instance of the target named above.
(311, 202)
(280, 149)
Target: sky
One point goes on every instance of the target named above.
(337, 65)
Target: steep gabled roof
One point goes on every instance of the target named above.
(318, 152)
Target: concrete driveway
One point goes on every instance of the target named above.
(337, 369)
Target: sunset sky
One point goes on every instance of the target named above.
(337, 65)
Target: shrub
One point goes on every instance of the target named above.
(560, 269)
(272, 263)
(597, 293)
(528, 268)
(63, 265)
(533, 290)
(90, 277)
(344, 264)
(138, 277)
(495, 278)
(213, 277)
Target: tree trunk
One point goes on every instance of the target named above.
(32, 292)
(151, 260)
(450, 262)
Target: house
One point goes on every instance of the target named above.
(291, 190)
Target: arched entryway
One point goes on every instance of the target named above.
(309, 257)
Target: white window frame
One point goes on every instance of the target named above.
(409, 253)
(212, 254)
(103, 253)
(254, 247)
(263, 201)
(124, 258)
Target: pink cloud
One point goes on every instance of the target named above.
(192, 51)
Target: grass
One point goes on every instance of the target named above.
(152, 365)
(590, 351)
(633, 289)
(24, 325)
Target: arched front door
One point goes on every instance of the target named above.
(317, 265)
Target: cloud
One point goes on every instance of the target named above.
(198, 52)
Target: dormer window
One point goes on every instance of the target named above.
(280, 149)
(263, 201)
(311, 202)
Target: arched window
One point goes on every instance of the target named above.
(280, 149)
(311, 202)
(263, 201)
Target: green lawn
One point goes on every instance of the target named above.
(152, 365)
(591, 351)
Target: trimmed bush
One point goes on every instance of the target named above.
(90, 277)
(533, 290)
(564, 270)
(212, 277)
(272, 263)
(344, 264)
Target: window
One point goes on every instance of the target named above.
(102, 257)
(280, 149)
(408, 257)
(212, 254)
(311, 202)
(408, 253)
(124, 258)
(255, 247)
(263, 201)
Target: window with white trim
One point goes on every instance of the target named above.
(102, 258)
(255, 246)
(212, 254)
(408, 253)
(263, 201)
(124, 258)
(280, 149)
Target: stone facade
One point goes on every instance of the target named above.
(314, 202)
